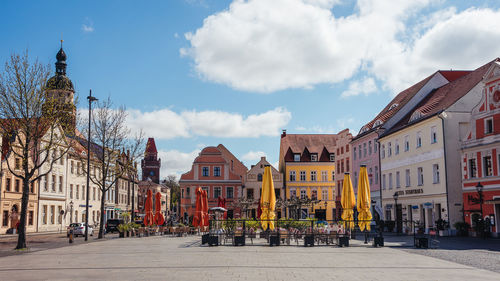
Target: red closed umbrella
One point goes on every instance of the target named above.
(148, 209)
(204, 207)
(221, 202)
(159, 219)
(198, 213)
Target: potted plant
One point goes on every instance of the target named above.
(462, 228)
(442, 227)
(122, 228)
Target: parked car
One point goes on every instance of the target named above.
(79, 229)
(112, 225)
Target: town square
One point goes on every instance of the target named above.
(250, 140)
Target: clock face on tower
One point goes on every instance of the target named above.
(152, 173)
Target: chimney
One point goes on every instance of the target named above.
(283, 134)
(263, 158)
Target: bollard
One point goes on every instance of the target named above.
(71, 236)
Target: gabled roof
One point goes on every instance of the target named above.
(151, 147)
(313, 142)
(442, 98)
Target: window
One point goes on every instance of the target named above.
(314, 157)
(296, 157)
(277, 192)
(355, 179)
(435, 173)
(398, 181)
(420, 175)
(433, 134)
(60, 184)
(72, 167)
(32, 187)
(182, 193)
(205, 172)
(302, 175)
(346, 148)
(313, 175)
(332, 157)
(44, 214)
(488, 125)
(314, 194)
(293, 193)
(53, 183)
(217, 192)
(93, 193)
(250, 193)
(216, 171)
(59, 216)
(389, 149)
(5, 219)
(370, 176)
(71, 191)
(354, 153)
(78, 168)
(16, 185)
(419, 139)
(259, 177)
(382, 152)
(7, 184)
(390, 180)
(359, 151)
(396, 147)
(472, 168)
(18, 164)
(333, 175)
(324, 194)
(407, 143)
(364, 149)
(61, 160)
(347, 164)
(407, 176)
(76, 216)
(30, 218)
(369, 147)
(303, 193)
(383, 181)
(376, 174)
(78, 192)
(229, 192)
(292, 176)
(324, 175)
(83, 191)
(375, 145)
(342, 150)
(488, 171)
(46, 183)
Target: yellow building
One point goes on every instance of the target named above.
(308, 164)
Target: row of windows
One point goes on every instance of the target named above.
(341, 150)
(217, 192)
(387, 179)
(95, 217)
(250, 193)
(17, 186)
(5, 218)
(372, 177)
(314, 157)
(292, 176)
(418, 143)
(340, 166)
(205, 172)
(75, 193)
(314, 193)
(364, 150)
(487, 166)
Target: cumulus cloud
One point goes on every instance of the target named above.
(253, 156)
(175, 162)
(266, 46)
(365, 87)
(167, 124)
(88, 26)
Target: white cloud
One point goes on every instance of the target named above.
(266, 46)
(365, 87)
(253, 156)
(174, 162)
(167, 124)
(88, 25)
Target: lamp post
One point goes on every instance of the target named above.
(91, 99)
(395, 196)
(479, 188)
(71, 212)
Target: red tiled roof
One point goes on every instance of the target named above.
(452, 75)
(445, 96)
(313, 142)
(151, 146)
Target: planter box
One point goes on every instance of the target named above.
(309, 240)
(239, 240)
(422, 242)
(274, 240)
(121, 234)
(378, 241)
(343, 241)
(213, 240)
(204, 239)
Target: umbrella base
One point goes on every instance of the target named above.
(239, 241)
(309, 240)
(343, 241)
(204, 239)
(378, 241)
(274, 240)
(213, 240)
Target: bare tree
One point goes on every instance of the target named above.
(110, 137)
(175, 190)
(31, 127)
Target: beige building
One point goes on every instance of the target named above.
(253, 185)
(420, 159)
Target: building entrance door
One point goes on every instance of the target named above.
(320, 214)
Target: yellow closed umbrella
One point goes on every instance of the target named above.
(348, 202)
(364, 200)
(267, 200)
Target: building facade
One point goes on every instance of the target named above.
(216, 172)
(151, 164)
(420, 165)
(480, 156)
(308, 164)
(344, 164)
(253, 186)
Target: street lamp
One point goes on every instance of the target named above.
(71, 212)
(395, 196)
(479, 188)
(91, 99)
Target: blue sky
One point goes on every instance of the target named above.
(195, 73)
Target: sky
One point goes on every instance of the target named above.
(197, 73)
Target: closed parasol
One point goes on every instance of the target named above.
(148, 209)
(159, 219)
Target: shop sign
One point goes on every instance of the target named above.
(427, 205)
(414, 191)
(414, 206)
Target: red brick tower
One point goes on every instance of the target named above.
(151, 164)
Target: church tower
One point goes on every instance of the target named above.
(60, 95)
(151, 164)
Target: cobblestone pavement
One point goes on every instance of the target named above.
(167, 258)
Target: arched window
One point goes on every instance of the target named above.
(259, 177)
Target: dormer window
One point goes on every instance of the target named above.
(296, 157)
(394, 105)
(416, 115)
(377, 123)
(314, 157)
(363, 129)
(332, 157)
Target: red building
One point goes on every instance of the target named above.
(151, 164)
(217, 171)
(481, 155)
